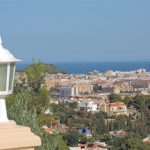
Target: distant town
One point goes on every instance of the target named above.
(94, 104)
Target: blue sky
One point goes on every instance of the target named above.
(76, 30)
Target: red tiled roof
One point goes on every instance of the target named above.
(49, 129)
(117, 104)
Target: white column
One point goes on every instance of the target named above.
(3, 111)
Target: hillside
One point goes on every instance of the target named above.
(50, 68)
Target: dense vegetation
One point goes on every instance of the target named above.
(28, 103)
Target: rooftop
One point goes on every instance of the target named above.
(117, 104)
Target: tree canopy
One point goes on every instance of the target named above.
(26, 107)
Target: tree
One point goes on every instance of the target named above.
(40, 100)
(114, 97)
(20, 111)
(27, 105)
(119, 143)
(44, 120)
(101, 115)
(128, 100)
(35, 75)
(121, 122)
(101, 127)
(40, 95)
(136, 144)
(128, 143)
(73, 105)
(71, 137)
(82, 139)
(142, 104)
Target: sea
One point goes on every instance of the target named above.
(77, 68)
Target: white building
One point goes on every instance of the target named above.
(118, 108)
(65, 92)
(87, 105)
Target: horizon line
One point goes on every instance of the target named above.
(122, 61)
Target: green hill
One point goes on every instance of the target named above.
(52, 69)
(49, 68)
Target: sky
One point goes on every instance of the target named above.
(76, 30)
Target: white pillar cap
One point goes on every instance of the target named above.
(5, 55)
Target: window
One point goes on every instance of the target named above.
(3, 76)
(11, 76)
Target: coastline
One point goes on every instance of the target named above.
(77, 68)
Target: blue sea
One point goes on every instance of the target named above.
(76, 68)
